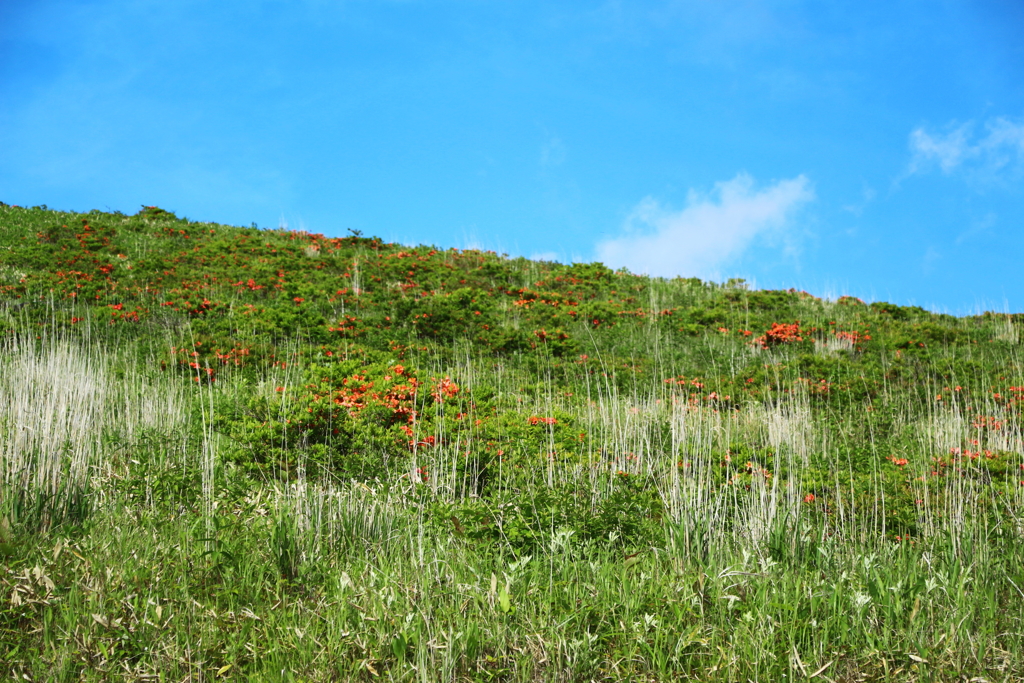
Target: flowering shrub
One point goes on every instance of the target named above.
(780, 333)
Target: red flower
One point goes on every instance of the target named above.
(780, 334)
(446, 388)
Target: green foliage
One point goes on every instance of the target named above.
(629, 517)
(342, 459)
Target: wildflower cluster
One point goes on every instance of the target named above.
(780, 333)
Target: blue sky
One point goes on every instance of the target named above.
(869, 148)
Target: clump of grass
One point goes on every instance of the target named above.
(67, 423)
(53, 414)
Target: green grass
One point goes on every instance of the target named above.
(276, 456)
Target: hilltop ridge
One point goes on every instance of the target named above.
(153, 268)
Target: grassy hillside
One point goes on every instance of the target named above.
(257, 454)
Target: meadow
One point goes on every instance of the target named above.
(236, 453)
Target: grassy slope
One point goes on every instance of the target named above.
(264, 453)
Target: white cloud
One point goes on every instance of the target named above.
(706, 234)
(947, 150)
(999, 146)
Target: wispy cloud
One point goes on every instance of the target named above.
(998, 147)
(867, 196)
(930, 258)
(552, 153)
(979, 229)
(709, 232)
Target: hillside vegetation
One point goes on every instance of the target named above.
(240, 453)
